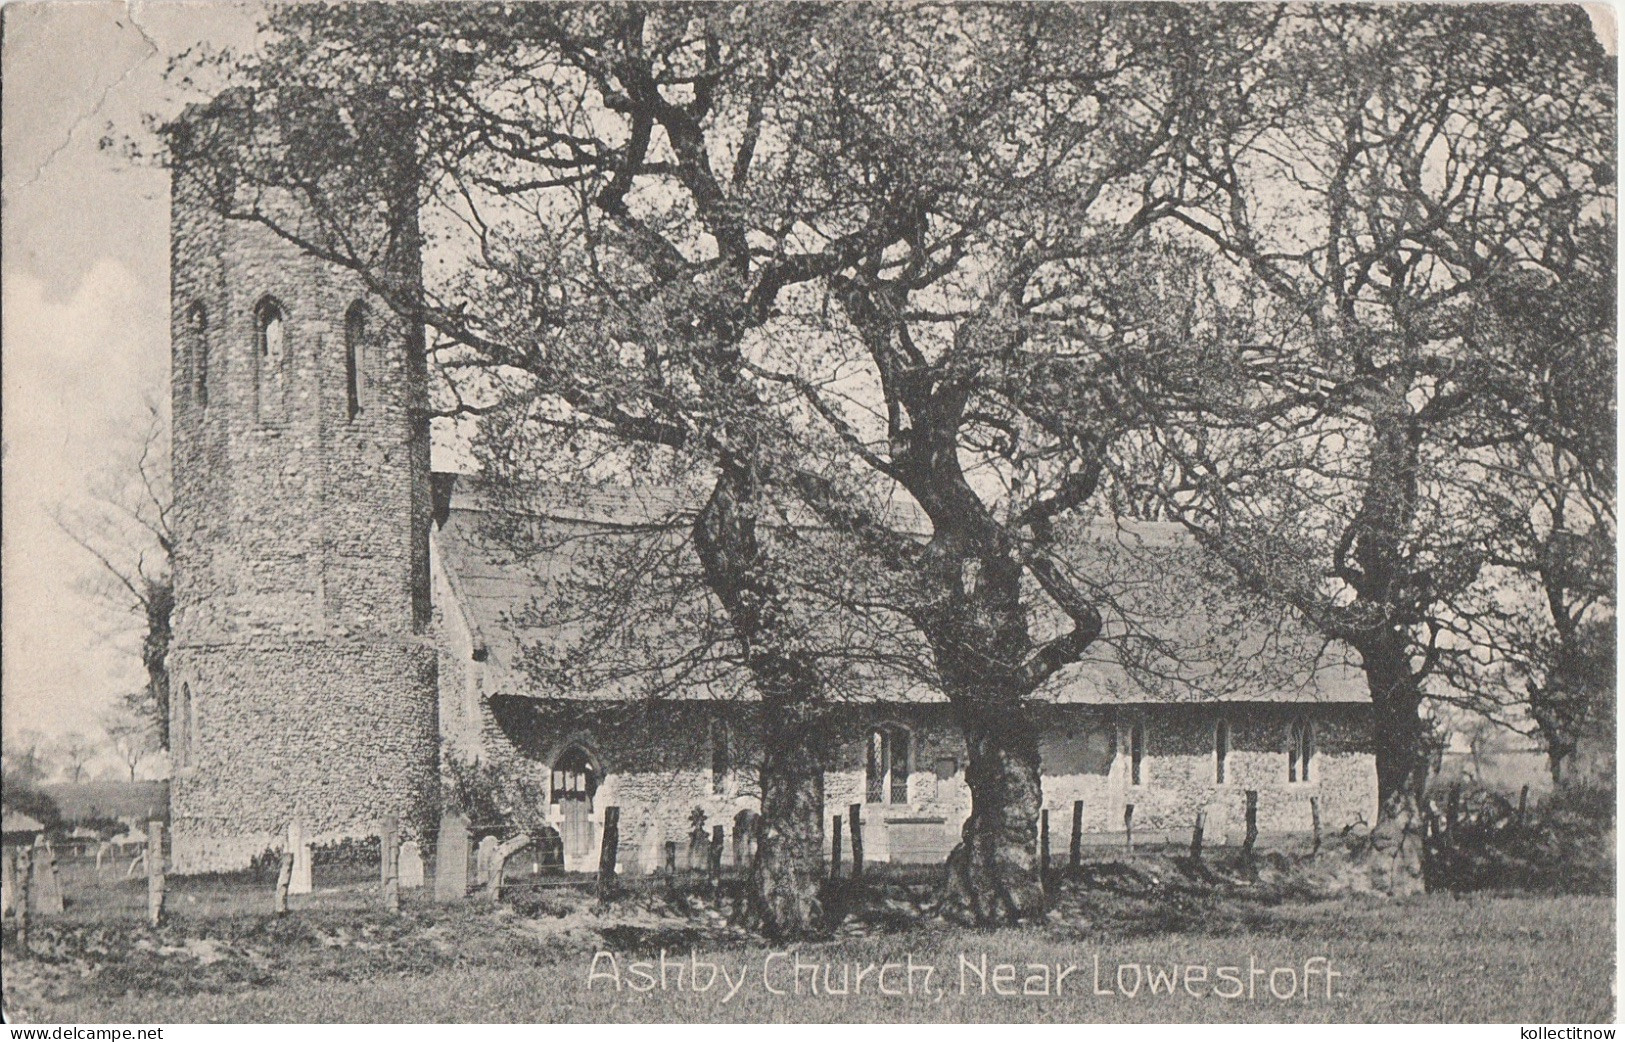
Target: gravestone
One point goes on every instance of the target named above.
(484, 856)
(301, 881)
(411, 866)
(451, 859)
(8, 879)
(45, 896)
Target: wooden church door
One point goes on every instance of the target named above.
(575, 781)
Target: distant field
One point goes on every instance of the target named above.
(1431, 959)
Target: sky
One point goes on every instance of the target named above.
(85, 335)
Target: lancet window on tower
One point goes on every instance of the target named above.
(272, 359)
(197, 332)
(355, 359)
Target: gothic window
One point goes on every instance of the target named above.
(197, 332)
(1221, 751)
(272, 358)
(355, 358)
(887, 769)
(1136, 753)
(721, 757)
(1300, 751)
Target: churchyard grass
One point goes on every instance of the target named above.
(1434, 958)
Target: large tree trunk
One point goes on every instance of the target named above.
(789, 856)
(994, 877)
(789, 866)
(1396, 697)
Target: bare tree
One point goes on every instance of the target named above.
(74, 751)
(1388, 187)
(28, 756)
(124, 525)
(130, 730)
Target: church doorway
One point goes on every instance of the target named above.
(575, 782)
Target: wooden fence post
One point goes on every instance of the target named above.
(25, 895)
(1314, 818)
(835, 848)
(155, 872)
(284, 876)
(1196, 834)
(1128, 826)
(1043, 846)
(389, 864)
(608, 851)
(1251, 837)
(855, 814)
(1077, 833)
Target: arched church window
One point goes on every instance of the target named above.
(1136, 753)
(888, 764)
(355, 358)
(197, 331)
(721, 758)
(1300, 751)
(1221, 751)
(272, 358)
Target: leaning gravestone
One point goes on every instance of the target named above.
(301, 882)
(45, 896)
(484, 856)
(411, 866)
(451, 859)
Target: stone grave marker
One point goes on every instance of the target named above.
(411, 867)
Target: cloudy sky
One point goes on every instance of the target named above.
(85, 333)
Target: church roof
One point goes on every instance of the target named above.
(594, 593)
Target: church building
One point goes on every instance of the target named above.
(343, 625)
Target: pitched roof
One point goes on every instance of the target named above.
(1176, 631)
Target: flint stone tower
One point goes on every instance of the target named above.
(302, 676)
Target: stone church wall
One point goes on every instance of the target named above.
(655, 762)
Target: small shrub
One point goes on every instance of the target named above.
(1563, 846)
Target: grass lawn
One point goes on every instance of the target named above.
(1432, 959)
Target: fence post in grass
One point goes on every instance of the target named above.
(284, 877)
(1043, 847)
(1128, 826)
(25, 896)
(1251, 838)
(1314, 818)
(1077, 833)
(835, 847)
(608, 850)
(155, 872)
(1196, 834)
(389, 864)
(854, 814)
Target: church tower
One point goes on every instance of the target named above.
(302, 677)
